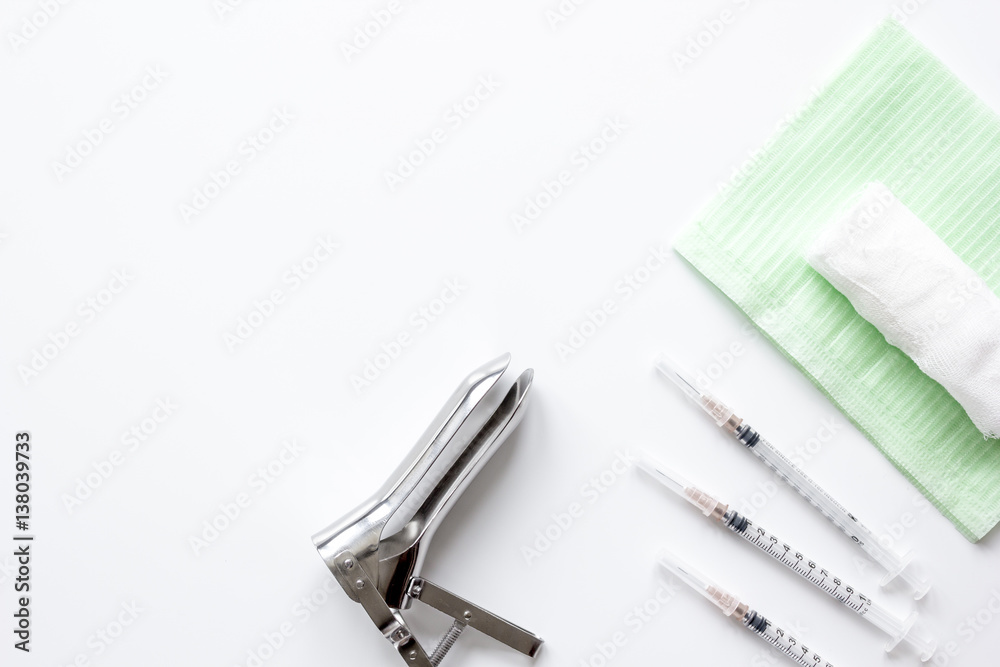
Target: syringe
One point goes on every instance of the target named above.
(908, 630)
(729, 605)
(896, 565)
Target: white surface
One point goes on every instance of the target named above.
(163, 335)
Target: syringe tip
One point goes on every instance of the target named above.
(671, 563)
(659, 472)
(721, 598)
(708, 505)
(676, 374)
(718, 410)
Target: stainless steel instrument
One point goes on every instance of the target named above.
(376, 552)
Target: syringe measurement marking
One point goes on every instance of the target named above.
(845, 528)
(894, 563)
(786, 643)
(795, 561)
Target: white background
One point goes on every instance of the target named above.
(164, 335)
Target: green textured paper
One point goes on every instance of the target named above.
(895, 114)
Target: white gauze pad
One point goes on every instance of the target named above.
(926, 301)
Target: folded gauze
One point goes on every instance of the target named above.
(926, 301)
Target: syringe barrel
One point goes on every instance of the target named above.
(783, 641)
(731, 606)
(803, 484)
(795, 477)
(894, 564)
(897, 628)
(798, 563)
(889, 624)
